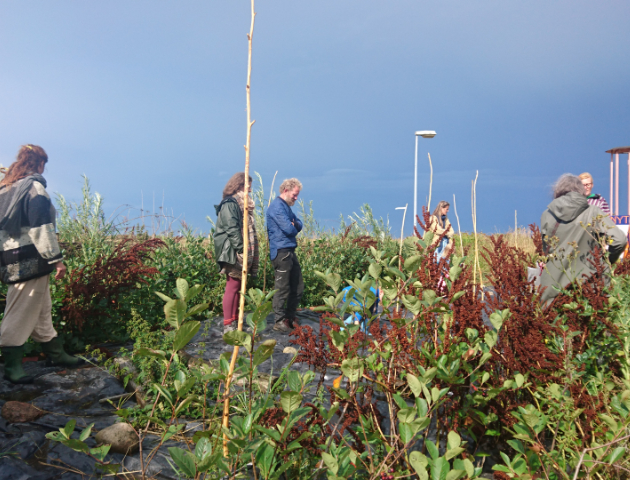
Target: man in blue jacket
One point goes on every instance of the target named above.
(282, 228)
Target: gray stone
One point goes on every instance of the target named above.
(121, 436)
(29, 443)
(14, 469)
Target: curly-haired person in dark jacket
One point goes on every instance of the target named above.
(29, 253)
(283, 227)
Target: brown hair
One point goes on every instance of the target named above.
(235, 184)
(29, 159)
(437, 213)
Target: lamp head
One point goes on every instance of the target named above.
(426, 133)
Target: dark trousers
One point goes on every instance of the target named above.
(288, 284)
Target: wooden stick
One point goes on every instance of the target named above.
(228, 380)
(459, 229)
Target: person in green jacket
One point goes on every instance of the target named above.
(571, 230)
(228, 245)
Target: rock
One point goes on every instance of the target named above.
(291, 350)
(20, 412)
(121, 436)
(14, 469)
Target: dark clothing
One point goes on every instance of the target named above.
(282, 227)
(28, 243)
(573, 221)
(288, 283)
(228, 234)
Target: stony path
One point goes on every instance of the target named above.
(61, 395)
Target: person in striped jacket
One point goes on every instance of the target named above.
(594, 198)
(29, 253)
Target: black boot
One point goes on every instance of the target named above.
(13, 370)
(56, 356)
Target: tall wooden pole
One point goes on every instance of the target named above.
(250, 122)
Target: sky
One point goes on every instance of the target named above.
(147, 99)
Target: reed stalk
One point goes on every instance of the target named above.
(459, 229)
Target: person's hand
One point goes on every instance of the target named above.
(61, 271)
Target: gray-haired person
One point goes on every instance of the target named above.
(578, 228)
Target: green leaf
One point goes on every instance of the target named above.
(616, 454)
(264, 455)
(100, 452)
(185, 334)
(429, 296)
(419, 462)
(484, 358)
(454, 273)
(414, 384)
(406, 433)
(413, 263)
(454, 440)
(184, 460)
(149, 352)
(457, 296)
(339, 339)
(455, 474)
(352, 368)
(184, 403)
(193, 292)
(609, 421)
(175, 311)
(412, 304)
(236, 337)
(469, 467)
(496, 319)
(485, 377)
(452, 453)
(290, 401)
(331, 462)
(264, 351)
(439, 468)
(163, 297)
(375, 270)
(517, 445)
(86, 432)
(197, 309)
(491, 338)
(76, 445)
(432, 449)
(519, 379)
(203, 448)
(181, 288)
(69, 428)
(165, 393)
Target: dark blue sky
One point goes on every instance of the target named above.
(147, 98)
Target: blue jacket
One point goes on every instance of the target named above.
(279, 229)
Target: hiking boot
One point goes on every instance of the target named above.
(284, 326)
(13, 370)
(56, 356)
(294, 322)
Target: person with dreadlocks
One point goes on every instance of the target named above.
(439, 224)
(29, 253)
(228, 244)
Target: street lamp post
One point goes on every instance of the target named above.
(423, 134)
